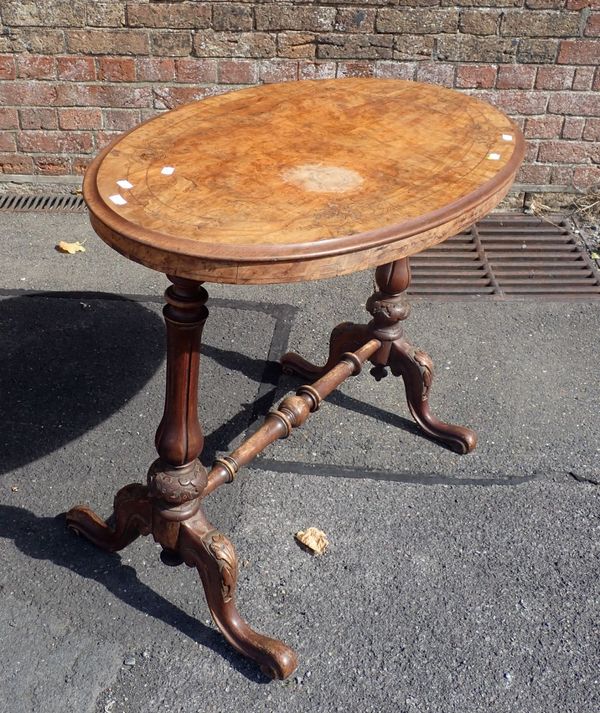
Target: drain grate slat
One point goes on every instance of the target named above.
(68, 203)
(507, 257)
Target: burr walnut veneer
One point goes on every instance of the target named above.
(282, 183)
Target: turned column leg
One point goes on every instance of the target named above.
(389, 308)
(177, 481)
(169, 506)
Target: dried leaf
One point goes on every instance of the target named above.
(64, 247)
(313, 539)
(596, 255)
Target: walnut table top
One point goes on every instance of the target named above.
(301, 180)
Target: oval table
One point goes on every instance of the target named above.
(282, 183)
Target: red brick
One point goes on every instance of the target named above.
(9, 119)
(16, 163)
(515, 76)
(38, 118)
(170, 97)
(208, 43)
(7, 141)
(317, 70)
(76, 69)
(534, 174)
(56, 141)
(565, 151)
(531, 151)
(52, 165)
(519, 23)
(287, 16)
(592, 26)
(120, 119)
(57, 12)
(232, 17)
(175, 15)
(80, 164)
(198, 71)
(562, 175)
(103, 138)
(416, 47)
(537, 51)
(554, 77)
(518, 101)
(33, 39)
(355, 19)
(296, 45)
(476, 76)
(586, 177)
(105, 14)
(238, 71)
(7, 67)
(31, 66)
(479, 22)
(79, 118)
(573, 127)
(356, 68)
(580, 104)
(173, 43)
(543, 127)
(155, 69)
(17, 93)
(544, 4)
(109, 95)
(346, 46)
(277, 70)
(592, 130)
(107, 41)
(395, 70)
(583, 78)
(417, 22)
(579, 52)
(581, 4)
(436, 73)
(116, 69)
(469, 48)
(596, 84)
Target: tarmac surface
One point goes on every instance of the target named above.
(452, 583)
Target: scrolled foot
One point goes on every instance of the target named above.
(346, 337)
(416, 369)
(205, 548)
(132, 517)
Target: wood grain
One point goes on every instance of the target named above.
(301, 180)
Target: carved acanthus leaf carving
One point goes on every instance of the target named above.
(424, 361)
(223, 553)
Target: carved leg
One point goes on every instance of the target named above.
(131, 518)
(389, 309)
(416, 369)
(203, 547)
(346, 337)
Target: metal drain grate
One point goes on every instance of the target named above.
(507, 257)
(16, 203)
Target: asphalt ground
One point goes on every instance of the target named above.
(452, 583)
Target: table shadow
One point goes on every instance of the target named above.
(47, 538)
(69, 361)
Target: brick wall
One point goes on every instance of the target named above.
(74, 73)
